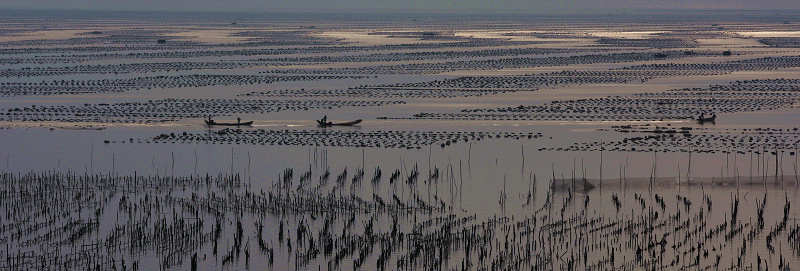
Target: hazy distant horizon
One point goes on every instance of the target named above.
(432, 6)
(10, 11)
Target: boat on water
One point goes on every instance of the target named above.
(81, 128)
(572, 185)
(214, 123)
(702, 119)
(329, 123)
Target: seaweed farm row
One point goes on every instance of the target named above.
(684, 139)
(266, 57)
(173, 109)
(640, 73)
(686, 103)
(385, 93)
(495, 64)
(374, 139)
(75, 87)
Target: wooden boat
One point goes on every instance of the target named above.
(81, 128)
(349, 123)
(213, 123)
(709, 119)
(571, 185)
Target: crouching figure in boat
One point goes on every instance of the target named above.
(325, 123)
(703, 119)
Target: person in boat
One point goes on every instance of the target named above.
(325, 121)
(238, 120)
(210, 120)
(701, 116)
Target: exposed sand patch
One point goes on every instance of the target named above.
(729, 42)
(213, 36)
(365, 38)
(625, 34)
(497, 35)
(49, 35)
(771, 34)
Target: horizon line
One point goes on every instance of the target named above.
(407, 11)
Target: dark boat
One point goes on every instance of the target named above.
(571, 184)
(349, 123)
(709, 119)
(212, 123)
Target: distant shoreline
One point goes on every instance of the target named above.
(24, 12)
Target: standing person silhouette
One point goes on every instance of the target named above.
(325, 119)
(238, 120)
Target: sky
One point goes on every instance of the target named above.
(399, 5)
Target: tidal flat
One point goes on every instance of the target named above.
(630, 141)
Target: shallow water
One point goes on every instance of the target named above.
(469, 192)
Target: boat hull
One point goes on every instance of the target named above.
(349, 123)
(711, 119)
(214, 123)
